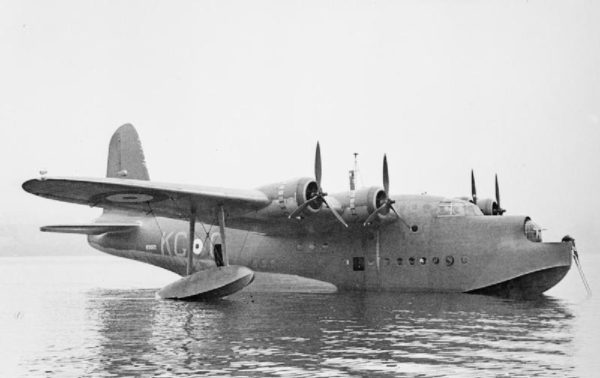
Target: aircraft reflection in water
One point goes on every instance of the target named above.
(329, 335)
(363, 239)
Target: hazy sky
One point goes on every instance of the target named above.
(236, 94)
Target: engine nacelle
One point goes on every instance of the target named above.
(286, 196)
(488, 206)
(358, 204)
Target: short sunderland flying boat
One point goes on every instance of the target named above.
(361, 239)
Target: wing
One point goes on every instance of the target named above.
(166, 200)
(91, 228)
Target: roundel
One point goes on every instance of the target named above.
(130, 198)
(197, 246)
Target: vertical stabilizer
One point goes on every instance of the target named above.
(125, 155)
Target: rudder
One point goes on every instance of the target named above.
(126, 156)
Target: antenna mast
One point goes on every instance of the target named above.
(353, 173)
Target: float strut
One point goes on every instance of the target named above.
(222, 231)
(190, 257)
(378, 258)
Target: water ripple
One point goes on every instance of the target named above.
(110, 333)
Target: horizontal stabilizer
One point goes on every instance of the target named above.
(91, 228)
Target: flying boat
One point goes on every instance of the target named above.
(360, 239)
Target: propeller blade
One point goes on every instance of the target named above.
(395, 212)
(318, 166)
(399, 217)
(497, 192)
(386, 176)
(500, 209)
(301, 208)
(335, 213)
(473, 190)
(374, 214)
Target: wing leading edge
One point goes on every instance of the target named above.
(160, 199)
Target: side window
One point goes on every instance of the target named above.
(457, 208)
(358, 263)
(445, 208)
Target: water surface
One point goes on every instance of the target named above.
(98, 316)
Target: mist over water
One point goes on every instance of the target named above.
(98, 316)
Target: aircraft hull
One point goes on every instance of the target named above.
(446, 255)
(527, 285)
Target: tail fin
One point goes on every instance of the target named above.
(125, 155)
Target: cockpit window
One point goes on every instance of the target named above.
(473, 209)
(457, 208)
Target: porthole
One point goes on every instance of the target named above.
(414, 228)
(435, 260)
(411, 260)
(423, 260)
(399, 261)
(449, 260)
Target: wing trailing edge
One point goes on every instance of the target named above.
(91, 228)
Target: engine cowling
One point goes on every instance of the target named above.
(488, 206)
(286, 196)
(358, 204)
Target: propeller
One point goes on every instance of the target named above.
(496, 209)
(388, 203)
(317, 197)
